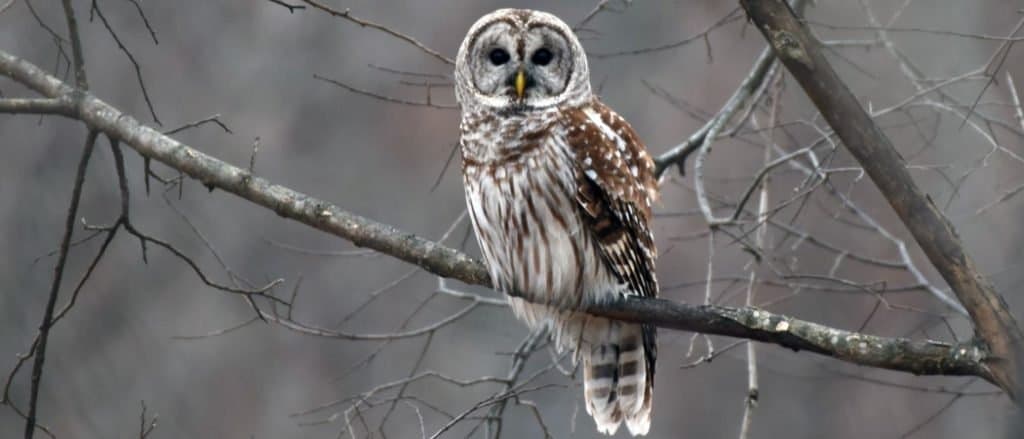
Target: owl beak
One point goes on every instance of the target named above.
(520, 83)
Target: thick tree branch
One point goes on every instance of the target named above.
(919, 357)
(802, 55)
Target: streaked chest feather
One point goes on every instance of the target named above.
(524, 211)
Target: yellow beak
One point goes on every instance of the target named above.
(520, 83)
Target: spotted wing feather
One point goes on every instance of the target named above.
(615, 190)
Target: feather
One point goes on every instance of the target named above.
(615, 189)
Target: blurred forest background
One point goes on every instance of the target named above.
(253, 62)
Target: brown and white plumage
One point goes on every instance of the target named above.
(559, 190)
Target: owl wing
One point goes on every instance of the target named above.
(615, 190)
(615, 187)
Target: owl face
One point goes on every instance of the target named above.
(519, 60)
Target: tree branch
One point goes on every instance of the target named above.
(703, 137)
(58, 274)
(802, 55)
(76, 46)
(743, 99)
(347, 15)
(36, 106)
(919, 357)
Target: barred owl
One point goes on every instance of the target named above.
(559, 189)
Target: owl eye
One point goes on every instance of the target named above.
(498, 56)
(542, 57)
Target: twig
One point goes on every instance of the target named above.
(731, 16)
(801, 54)
(385, 98)
(444, 169)
(750, 84)
(138, 69)
(519, 358)
(704, 136)
(252, 157)
(760, 240)
(6, 6)
(215, 119)
(938, 412)
(76, 46)
(291, 7)
(58, 274)
(600, 6)
(997, 59)
(315, 252)
(1018, 111)
(146, 427)
(394, 71)
(967, 35)
(218, 331)
(145, 21)
(347, 15)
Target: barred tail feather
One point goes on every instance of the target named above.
(639, 423)
(617, 384)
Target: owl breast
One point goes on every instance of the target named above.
(521, 198)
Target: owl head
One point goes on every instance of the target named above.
(520, 60)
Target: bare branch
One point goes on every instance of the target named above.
(600, 6)
(730, 17)
(58, 274)
(291, 7)
(519, 358)
(385, 98)
(146, 427)
(4, 7)
(76, 46)
(347, 15)
(145, 20)
(918, 357)
(751, 83)
(967, 35)
(938, 412)
(36, 106)
(802, 55)
(215, 119)
(138, 69)
(921, 357)
(760, 240)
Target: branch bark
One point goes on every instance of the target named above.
(802, 55)
(918, 357)
(37, 106)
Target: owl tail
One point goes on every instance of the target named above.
(618, 379)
